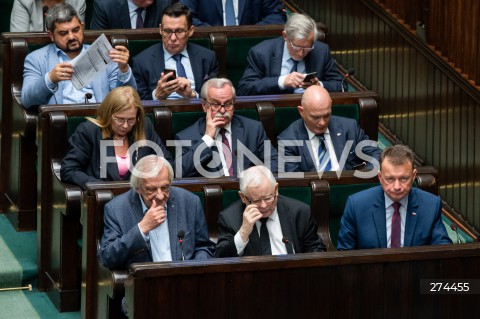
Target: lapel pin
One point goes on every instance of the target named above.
(414, 214)
(338, 134)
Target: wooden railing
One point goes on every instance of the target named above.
(424, 101)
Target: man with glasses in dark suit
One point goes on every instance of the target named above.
(192, 63)
(260, 222)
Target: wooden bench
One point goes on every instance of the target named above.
(18, 131)
(101, 288)
(374, 283)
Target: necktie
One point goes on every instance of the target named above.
(265, 238)
(229, 13)
(323, 158)
(139, 24)
(180, 69)
(227, 151)
(294, 67)
(396, 226)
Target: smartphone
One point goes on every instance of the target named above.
(172, 77)
(309, 77)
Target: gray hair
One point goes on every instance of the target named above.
(300, 26)
(216, 83)
(148, 167)
(59, 13)
(254, 176)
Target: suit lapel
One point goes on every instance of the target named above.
(276, 61)
(241, 8)
(219, 5)
(378, 215)
(124, 14)
(306, 152)
(336, 135)
(173, 222)
(254, 242)
(137, 212)
(196, 63)
(52, 61)
(112, 168)
(158, 62)
(410, 219)
(286, 224)
(238, 132)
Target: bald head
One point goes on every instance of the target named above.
(316, 109)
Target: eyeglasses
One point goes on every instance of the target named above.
(179, 33)
(121, 121)
(267, 200)
(165, 189)
(297, 48)
(217, 106)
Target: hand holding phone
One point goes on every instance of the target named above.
(172, 77)
(309, 76)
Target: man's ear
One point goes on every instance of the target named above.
(50, 35)
(243, 198)
(284, 34)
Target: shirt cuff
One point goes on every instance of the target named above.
(124, 77)
(281, 81)
(50, 85)
(239, 244)
(145, 237)
(208, 140)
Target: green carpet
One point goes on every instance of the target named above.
(14, 305)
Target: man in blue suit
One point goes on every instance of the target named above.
(193, 63)
(48, 71)
(394, 214)
(145, 223)
(346, 145)
(280, 65)
(222, 143)
(122, 14)
(214, 13)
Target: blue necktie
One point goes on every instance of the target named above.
(294, 67)
(139, 24)
(180, 69)
(323, 158)
(229, 13)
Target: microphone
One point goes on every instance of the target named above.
(350, 71)
(88, 96)
(44, 9)
(453, 226)
(180, 235)
(287, 242)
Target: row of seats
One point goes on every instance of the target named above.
(18, 130)
(102, 288)
(60, 203)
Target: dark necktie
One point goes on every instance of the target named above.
(229, 13)
(180, 69)
(323, 158)
(139, 24)
(396, 226)
(227, 151)
(294, 67)
(265, 238)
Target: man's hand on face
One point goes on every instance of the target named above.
(250, 216)
(213, 123)
(153, 218)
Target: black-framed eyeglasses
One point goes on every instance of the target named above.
(121, 121)
(267, 200)
(297, 48)
(217, 106)
(165, 189)
(179, 33)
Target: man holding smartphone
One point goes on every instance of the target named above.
(193, 64)
(291, 63)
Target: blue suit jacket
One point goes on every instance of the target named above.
(41, 61)
(149, 64)
(249, 132)
(210, 12)
(81, 164)
(122, 243)
(114, 14)
(363, 222)
(341, 130)
(296, 222)
(264, 64)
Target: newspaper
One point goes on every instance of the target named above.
(91, 62)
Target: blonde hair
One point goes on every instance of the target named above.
(118, 100)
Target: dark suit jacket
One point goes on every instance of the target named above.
(296, 222)
(114, 14)
(363, 222)
(341, 130)
(249, 132)
(210, 12)
(81, 164)
(122, 243)
(264, 64)
(148, 65)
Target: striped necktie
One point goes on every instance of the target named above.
(323, 157)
